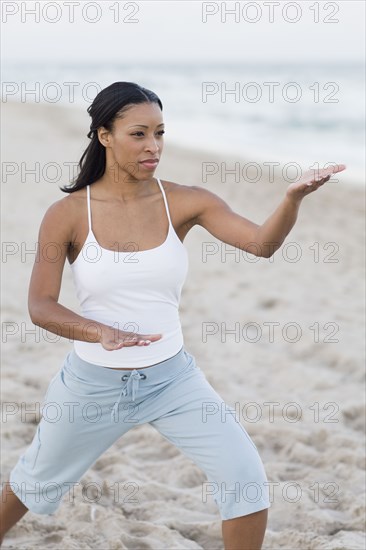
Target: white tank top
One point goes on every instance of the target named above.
(137, 291)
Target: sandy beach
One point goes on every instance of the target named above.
(280, 339)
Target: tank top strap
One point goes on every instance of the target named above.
(88, 202)
(165, 201)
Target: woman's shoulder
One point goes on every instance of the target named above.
(64, 211)
(188, 194)
(185, 201)
(180, 189)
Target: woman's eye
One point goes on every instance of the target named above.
(142, 133)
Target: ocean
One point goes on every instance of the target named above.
(288, 115)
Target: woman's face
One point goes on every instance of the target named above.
(137, 137)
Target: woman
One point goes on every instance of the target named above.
(129, 358)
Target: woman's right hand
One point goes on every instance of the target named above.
(112, 339)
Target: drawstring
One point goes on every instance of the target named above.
(132, 380)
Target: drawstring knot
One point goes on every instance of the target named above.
(131, 384)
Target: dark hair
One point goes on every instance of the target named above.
(108, 105)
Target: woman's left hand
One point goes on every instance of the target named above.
(311, 180)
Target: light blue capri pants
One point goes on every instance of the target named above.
(88, 407)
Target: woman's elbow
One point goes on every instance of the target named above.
(268, 249)
(36, 310)
(33, 313)
(267, 253)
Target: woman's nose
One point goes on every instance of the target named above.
(152, 146)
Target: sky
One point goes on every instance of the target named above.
(191, 31)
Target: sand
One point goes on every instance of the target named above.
(310, 374)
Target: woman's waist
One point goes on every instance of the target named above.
(133, 321)
(85, 370)
(130, 357)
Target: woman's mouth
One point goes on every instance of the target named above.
(150, 163)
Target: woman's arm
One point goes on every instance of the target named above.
(272, 233)
(54, 239)
(217, 217)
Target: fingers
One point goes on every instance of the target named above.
(333, 169)
(319, 181)
(128, 342)
(321, 173)
(149, 338)
(138, 340)
(143, 342)
(118, 346)
(330, 170)
(339, 168)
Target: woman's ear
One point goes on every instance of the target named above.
(104, 136)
